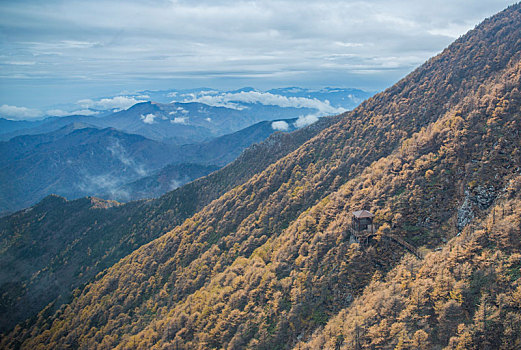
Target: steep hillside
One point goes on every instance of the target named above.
(270, 262)
(465, 296)
(57, 245)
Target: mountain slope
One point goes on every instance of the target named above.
(465, 296)
(45, 257)
(270, 262)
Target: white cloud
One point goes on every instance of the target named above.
(232, 100)
(14, 112)
(118, 102)
(209, 92)
(84, 112)
(280, 125)
(57, 113)
(62, 113)
(149, 118)
(179, 120)
(179, 110)
(305, 120)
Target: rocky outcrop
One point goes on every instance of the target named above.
(481, 198)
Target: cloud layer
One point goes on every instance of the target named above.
(18, 113)
(149, 118)
(234, 100)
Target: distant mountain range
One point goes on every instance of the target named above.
(195, 115)
(71, 237)
(120, 154)
(175, 123)
(79, 160)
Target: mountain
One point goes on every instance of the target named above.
(224, 149)
(74, 161)
(271, 262)
(466, 295)
(79, 160)
(186, 123)
(44, 126)
(175, 123)
(52, 248)
(9, 126)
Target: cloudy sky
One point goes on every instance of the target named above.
(55, 52)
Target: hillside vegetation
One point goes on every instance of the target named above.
(270, 264)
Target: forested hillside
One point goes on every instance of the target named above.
(57, 245)
(466, 296)
(270, 264)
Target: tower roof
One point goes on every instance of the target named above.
(362, 214)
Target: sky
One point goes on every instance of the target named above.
(54, 52)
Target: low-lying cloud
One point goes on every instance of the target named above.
(180, 120)
(119, 152)
(234, 100)
(62, 113)
(149, 118)
(19, 113)
(118, 102)
(306, 120)
(280, 125)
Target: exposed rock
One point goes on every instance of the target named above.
(465, 213)
(484, 196)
